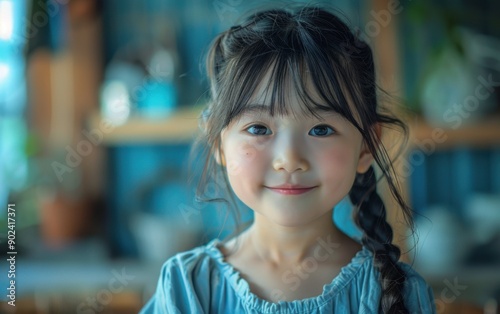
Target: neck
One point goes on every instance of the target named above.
(284, 245)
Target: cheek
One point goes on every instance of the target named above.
(243, 157)
(246, 165)
(338, 164)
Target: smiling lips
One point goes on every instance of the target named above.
(290, 189)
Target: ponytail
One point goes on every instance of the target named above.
(377, 237)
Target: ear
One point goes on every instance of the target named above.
(219, 155)
(365, 157)
(365, 160)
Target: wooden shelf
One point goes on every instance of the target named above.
(481, 134)
(180, 127)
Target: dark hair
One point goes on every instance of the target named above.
(288, 44)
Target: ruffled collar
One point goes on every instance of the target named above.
(252, 301)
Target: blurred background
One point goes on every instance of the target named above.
(98, 108)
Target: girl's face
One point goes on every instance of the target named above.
(262, 152)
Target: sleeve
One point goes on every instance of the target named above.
(418, 296)
(174, 292)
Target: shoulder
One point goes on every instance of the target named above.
(419, 297)
(186, 281)
(417, 294)
(190, 265)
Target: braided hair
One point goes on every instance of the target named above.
(377, 237)
(291, 44)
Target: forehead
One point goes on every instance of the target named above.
(291, 92)
(285, 95)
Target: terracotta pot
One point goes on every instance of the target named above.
(63, 220)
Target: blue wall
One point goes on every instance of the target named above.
(452, 177)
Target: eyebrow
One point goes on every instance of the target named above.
(261, 108)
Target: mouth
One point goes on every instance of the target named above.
(291, 190)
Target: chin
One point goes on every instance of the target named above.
(296, 220)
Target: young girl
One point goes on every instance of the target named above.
(294, 127)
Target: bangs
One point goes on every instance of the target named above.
(272, 77)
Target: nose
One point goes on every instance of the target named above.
(290, 155)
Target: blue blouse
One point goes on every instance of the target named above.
(200, 281)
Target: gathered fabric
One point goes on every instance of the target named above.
(200, 281)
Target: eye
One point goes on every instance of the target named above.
(322, 130)
(258, 129)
